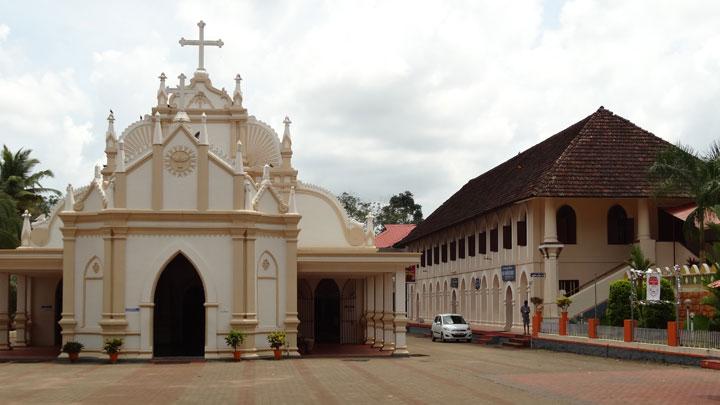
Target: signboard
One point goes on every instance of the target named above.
(537, 275)
(132, 309)
(653, 286)
(508, 272)
(454, 282)
(410, 274)
(477, 283)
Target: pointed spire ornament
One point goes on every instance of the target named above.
(249, 194)
(237, 94)
(157, 131)
(287, 141)
(70, 198)
(110, 194)
(266, 173)
(162, 95)
(98, 174)
(203, 130)
(181, 115)
(239, 165)
(111, 124)
(26, 233)
(121, 157)
(292, 207)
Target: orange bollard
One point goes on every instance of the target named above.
(628, 332)
(672, 334)
(563, 324)
(592, 328)
(536, 320)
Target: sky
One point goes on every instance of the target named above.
(385, 96)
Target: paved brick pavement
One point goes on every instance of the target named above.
(439, 373)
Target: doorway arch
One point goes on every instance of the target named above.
(57, 331)
(179, 312)
(327, 312)
(508, 308)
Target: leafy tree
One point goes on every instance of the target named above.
(19, 181)
(713, 298)
(681, 170)
(10, 223)
(357, 208)
(637, 260)
(401, 209)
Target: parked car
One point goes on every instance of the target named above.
(447, 327)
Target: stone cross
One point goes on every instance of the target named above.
(200, 43)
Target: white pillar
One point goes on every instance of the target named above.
(4, 311)
(550, 224)
(21, 312)
(388, 313)
(647, 244)
(400, 319)
(550, 249)
(146, 329)
(211, 347)
(379, 333)
(370, 310)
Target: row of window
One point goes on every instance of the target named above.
(457, 248)
(620, 231)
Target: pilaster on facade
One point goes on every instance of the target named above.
(4, 311)
(370, 310)
(388, 313)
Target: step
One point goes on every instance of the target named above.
(516, 345)
(711, 364)
(523, 340)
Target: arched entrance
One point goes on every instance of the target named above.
(508, 308)
(179, 313)
(327, 312)
(58, 313)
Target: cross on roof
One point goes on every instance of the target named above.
(200, 43)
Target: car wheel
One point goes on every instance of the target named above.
(432, 336)
(442, 337)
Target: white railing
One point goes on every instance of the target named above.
(648, 335)
(700, 338)
(611, 332)
(549, 326)
(577, 329)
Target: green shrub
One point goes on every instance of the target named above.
(658, 315)
(72, 347)
(618, 308)
(700, 322)
(234, 338)
(112, 345)
(276, 339)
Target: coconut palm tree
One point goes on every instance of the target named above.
(10, 223)
(679, 170)
(20, 183)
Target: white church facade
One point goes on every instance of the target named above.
(196, 225)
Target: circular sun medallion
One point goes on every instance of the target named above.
(180, 160)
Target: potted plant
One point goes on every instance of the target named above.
(234, 339)
(276, 340)
(73, 350)
(112, 348)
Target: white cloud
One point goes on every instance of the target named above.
(414, 95)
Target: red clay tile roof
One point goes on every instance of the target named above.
(392, 234)
(603, 155)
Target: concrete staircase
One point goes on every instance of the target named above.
(584, 300)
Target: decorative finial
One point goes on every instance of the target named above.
(157, 131)
(292, 207)
(26, 233)
(266, 172)
(98, 174)
(201, 43)
(239, 166)
(370, 223)
(203, 130)
(286, 141)
(181, 115)
(70, 198)
(237, 94)
(249, 194)
(162, 95)
(121, 157)
(111, 123)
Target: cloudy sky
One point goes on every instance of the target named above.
(384, 96)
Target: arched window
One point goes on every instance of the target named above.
(620, 228)
(566, 225)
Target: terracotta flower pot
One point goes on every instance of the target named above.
(278, 353)
(113, 358)
(236, 355)
(73, 357)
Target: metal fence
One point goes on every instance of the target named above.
(577, 329)
(611, 332)
(549, 326)
(648, 335)
(700, 338)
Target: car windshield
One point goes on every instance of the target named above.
(453, 319)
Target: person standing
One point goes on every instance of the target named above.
(525, 312)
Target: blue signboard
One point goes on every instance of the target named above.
(508, 272)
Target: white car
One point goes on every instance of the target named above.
(447, 327)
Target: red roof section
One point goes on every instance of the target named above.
(392, 234)
(601, 156)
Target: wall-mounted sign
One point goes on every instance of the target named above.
(508, 272)
(537, 275)
(653, 286)
(46, 308)
(454, 282)
(477, 283)
(133, 309)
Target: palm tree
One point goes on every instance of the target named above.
(18, 181)
(679, 170)
(10, 223)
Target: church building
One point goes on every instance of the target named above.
(196, 225)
